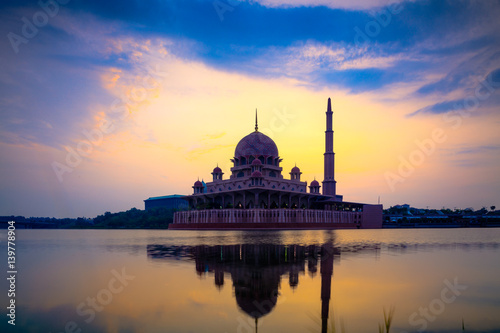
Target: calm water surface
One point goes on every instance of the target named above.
(232, 281)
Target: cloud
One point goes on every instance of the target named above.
(268, 54)
(194, 153)
(483, 94)
(56, 88)
(256, 36)
(466, 74)
(343, 4)
(479, 149)
(438, 108)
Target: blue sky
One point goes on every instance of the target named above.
(415, 64)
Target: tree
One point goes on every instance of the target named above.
(492, 208)
(482, 211)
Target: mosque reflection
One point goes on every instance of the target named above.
(256, 270)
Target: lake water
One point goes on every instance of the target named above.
(436, 280)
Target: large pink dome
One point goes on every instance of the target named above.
(256, 144)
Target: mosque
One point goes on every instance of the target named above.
(257, 196)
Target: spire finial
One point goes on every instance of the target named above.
(256, 124)
(329, 105)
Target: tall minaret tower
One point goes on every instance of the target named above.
(329, 183)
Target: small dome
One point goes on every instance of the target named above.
(217, 170)
(198, 184)
(256, 162)
(295, 169)
(314, 183)
(256, 174)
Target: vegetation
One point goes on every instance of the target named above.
(155, 218)
(411, 211)
(385, 328)
(388, 316)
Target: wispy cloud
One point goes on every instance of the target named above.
(479, 149)
(344, 4)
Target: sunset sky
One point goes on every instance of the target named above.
(106, 103)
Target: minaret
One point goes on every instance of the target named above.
(329, 183)
(326, 270)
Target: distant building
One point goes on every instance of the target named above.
(167, 201)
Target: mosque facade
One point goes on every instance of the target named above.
(257, 195)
